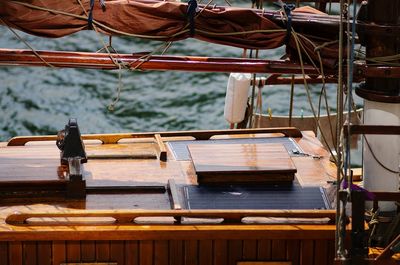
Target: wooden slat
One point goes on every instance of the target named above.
(235, 251)
(320, 251)
(88, 250)
(161, 252)
(278, 249)
(73, 251)
(131, 252)
(220, 252)
(44, 252)
(103, 250)
(331, 252)
(4, 253)
(307, 252)
(146, 251)
(205, 252)
(249, 250)
(176, 252)
(30, 252)
(15, 252)
(264, 249)
(117, 254)
(293, 251)
(191, 252)
(59, 252)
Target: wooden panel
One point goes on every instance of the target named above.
(3, 253)
(205, 252)
(264, 249)
(249, 250)
(320, 252)
(30, 252)
(241, 163)
(15, 252)
(307, 252)
(176, 252)
(88, 250)
(331, 251)
(161, 252)
(59, 252)
(117, 254)
(73, 251)
(146, 249)
(278, 249)
(220, 252)
(235, 251)
(131, 252)
(44, 253)
(191, 252)
(264, 263)
(103, 250)
(293, 251)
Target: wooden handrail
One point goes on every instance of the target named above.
(372, 129)
(128, 217)
(198, 135)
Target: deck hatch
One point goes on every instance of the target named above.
(250, 197)
(181, 152)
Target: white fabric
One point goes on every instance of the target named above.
(236, 97)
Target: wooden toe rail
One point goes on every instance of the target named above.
(128, 217)
(198, 135)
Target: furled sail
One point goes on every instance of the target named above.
(164, 21)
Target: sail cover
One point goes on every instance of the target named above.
(159, 20)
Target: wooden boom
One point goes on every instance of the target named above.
(9, 57)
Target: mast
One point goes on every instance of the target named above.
(381, 96)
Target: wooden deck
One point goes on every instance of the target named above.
(54, 240)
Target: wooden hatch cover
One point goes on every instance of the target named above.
(242, 163)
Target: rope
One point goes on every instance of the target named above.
(340, 228)
(373, 224)
(26, 43)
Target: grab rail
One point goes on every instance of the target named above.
(198, 135)
(128, 217)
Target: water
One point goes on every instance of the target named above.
(40, 100)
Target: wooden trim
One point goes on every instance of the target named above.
(373, 129)
(175, 205)
(162, 150)
(198, 135)
(127, 217)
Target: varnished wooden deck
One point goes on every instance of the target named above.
(41, 243)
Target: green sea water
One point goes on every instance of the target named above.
(40, 100)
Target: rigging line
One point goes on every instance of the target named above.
(111, 106)
(26, 43)
(350, 59)
(323, 89)
(309, 95)
(339, 238)
(291, 101)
